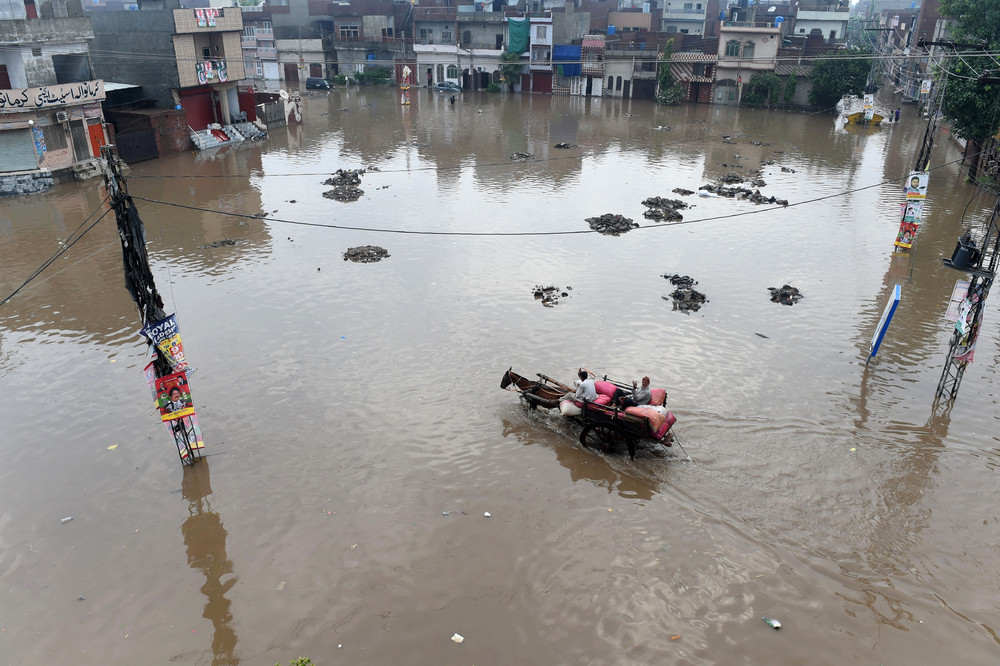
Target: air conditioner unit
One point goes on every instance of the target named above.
(62, 117)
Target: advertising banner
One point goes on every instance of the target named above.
(166, 335)
(173, 397)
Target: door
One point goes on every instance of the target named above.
(96, 132)
(81, 140)
(137, 146)
(316, 69)
(291, 73)
(198, 108)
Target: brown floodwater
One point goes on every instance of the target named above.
(357, 435)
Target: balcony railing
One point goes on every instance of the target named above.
(252, 8)
(267, 51)
(248, 42)
(264, 33)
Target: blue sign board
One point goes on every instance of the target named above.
(883, 323)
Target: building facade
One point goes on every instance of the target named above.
(51, 120)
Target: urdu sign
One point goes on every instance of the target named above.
(58, 96)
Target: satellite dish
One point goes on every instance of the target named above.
(771, 9)
(283, 94)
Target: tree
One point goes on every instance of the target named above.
(511, 67)
(667, 92)
(790, 89)
(970, 106)
(762, 90)
(837, 74)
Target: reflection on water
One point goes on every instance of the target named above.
(205, 540)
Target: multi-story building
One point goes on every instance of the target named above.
(461, 44)
(51, 121)
(187, 57)
(745, 48)
(260, 53)
(829, 22)
(684, 17)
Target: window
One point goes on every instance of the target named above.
(698, 69)
(387, 32)
(452, 72)
(206, 53)
(55, 137)
(4, 78)
(684, 31)
(466, 37)
(540, 32)
(426, 36)
(248, 32)
(36, 51)
(440, 73)
(348, 31)
(733, 49)
(748, 49)
(446, 37)
(671, 28)
(688, 5)
(802, 30)
(259, 68)
(265, 26)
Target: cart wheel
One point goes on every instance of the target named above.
(604, 436)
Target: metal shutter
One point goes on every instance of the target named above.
(18, 151)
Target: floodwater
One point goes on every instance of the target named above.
(357, 435)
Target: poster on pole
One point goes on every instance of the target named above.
(166, 335)
(916, 185)
(925, 86)
(173, 397)
(197, 441)
(907, 232)
(883, 323)
(958, 295)
(869, 106)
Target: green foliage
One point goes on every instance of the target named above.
(969, 106)
(493, 87)
(667, 92)
(299, 661)
(832, 78)
(762, 90)
(790, 86)
(340, 79)
(511, 67)
(374, 75)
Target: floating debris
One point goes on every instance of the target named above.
(740, 194)
(565, 146)
(787, 295)
(785, 169)
(662, 128)
(549, 295)
(521, 156)
(366, 254)
(685, 298)
(664, 210)
(681, 191)
(758, 143)
(611, 224)
(771, 622)
(222, 243)
(344, 183)
(732, 178)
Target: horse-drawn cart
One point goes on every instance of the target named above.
(605, 425)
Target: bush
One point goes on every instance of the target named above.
(374, 75)
(340, 79)
(493, 87)
(672, 95)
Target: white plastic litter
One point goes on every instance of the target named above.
(458, 638)
(487, 514)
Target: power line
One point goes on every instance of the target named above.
(496, 234)
(61, 251)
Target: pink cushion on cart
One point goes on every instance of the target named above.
(659, 397)
(605, 388)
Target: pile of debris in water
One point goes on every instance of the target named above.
(344, 183)
(685, 297)
(787, 295)
(663, 210)
(565, 146)
(549, 295)
(521, 156)
(222, 243)
(611, 224)
(366, 254)
(743, 194)
(681, 191)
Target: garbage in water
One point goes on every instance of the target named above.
(222, 243)
(344, 183)
(611, 224)
(685, 298)
(787, 170)
(66, 519)
(549, 296)
(281, 586)
(708, 195)
(521, 156)
(663, 210)
(458, 638)
(565, 146)
(786, 295)
(771, 622)
(487, 514)
(112, 447)
(681, 191)
(366, 254)
(741, 193)
(662, 128)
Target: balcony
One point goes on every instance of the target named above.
(684, 14)
(266, 34)
(267, 52)
(247, 9)
(248, 42)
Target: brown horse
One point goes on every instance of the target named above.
(544, 393)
